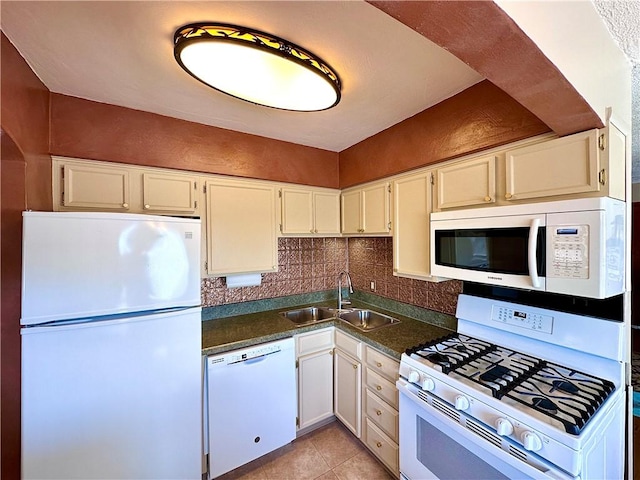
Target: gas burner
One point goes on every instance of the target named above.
(565, 386)
(544, 404)
(438, 358)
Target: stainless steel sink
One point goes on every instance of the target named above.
(304, 316)
(367, 320)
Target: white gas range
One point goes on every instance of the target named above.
(517, 392)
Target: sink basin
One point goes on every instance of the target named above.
(304, 316)
(367, 320)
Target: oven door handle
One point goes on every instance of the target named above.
(531, 257)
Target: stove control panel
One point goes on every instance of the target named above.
(523, 319)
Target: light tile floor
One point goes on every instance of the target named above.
(328, 453)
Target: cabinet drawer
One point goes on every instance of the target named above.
(382, 414)
(382, 387)
(381, 445)
(382, 364)
(314, 341)
(348, 344)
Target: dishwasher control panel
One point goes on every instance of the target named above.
(246, 354)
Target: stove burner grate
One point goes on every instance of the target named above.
(567, 396)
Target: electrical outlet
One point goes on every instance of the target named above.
(373, 286)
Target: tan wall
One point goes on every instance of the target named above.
(25, 173)
(478, 118)
(97, 131)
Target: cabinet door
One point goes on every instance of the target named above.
(163, 192)
(297, 211)
(95, 187)
(471, 182)
(375, 209)
(351, 212)
(347, 391)
(411, 208)
(241, 228)
(315, 388)
(563, 166)
(327, 213)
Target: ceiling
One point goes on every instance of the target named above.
(121, 53)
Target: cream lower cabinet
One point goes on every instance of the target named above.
(366, 210)
(314, 362)
(585, 163)
(380, 412)
(411, 235)
(309, 212)
(347, 393)
(241, 227)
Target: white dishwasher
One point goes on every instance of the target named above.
(252, 403)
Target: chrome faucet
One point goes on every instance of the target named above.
(342, 302)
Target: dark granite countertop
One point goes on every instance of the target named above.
(239, 331)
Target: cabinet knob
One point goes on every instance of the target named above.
(379, 444)
(315, 231)
(507, 196)
(487, 198)
(378, 412)
(355, 367)
(147, 207)
(125, 205)
(379, 387)
(378, 364)
(311, 230)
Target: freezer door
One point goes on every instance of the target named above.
(78, 265)
(117, 399)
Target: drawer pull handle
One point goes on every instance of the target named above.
(379, 387)
(378, 412)
(378, 364)
(379, 444)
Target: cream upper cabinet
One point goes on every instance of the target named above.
(411, 235)
(366, 210)
(563, 166)
(169, 193)
(467, 183)
(310, 212)
(241, 227)
(96, 187)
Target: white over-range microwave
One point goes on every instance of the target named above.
(572, 247)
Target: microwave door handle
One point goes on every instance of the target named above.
(533, 247)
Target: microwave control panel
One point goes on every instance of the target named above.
(569, 251)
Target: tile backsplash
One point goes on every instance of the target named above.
(304, 265)
(312, 264)
(371, 260)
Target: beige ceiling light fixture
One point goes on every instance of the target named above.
(257, 67)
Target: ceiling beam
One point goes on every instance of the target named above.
(484, 37)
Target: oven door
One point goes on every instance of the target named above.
(506, 251)
(434, 446)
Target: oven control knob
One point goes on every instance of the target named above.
(414, 377)
(504, 427)
(531, 441)
(461, 402)
(428, 384)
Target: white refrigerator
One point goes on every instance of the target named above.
(111, 347)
